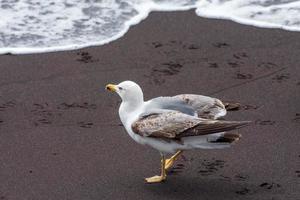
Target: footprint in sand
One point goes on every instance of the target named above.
(267, 65)
(237, 177)
(234, 64)
(166, 69)
(85, 57)
(43, 114)
(210, 167)
(213, 65)
(156, 44)
(250, 107)
(85, 124)
(240, 177)
(74, 105)
(243, 191)
(226, 178)
(44, 121)
(281, 78)
(265, 122)
(193, 47)
(170, 69)
(243, 76)
(240, 55)
(269, 186)
(297, 117)
(221, 44)
(174, 43)
(7, 105)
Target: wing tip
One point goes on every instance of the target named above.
(245, 123)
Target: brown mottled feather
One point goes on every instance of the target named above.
(176, 125)
(167, 124)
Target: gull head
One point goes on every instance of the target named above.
(129, 91)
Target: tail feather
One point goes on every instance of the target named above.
(232, 106)
(213, 126)
(227, 138)
(220, 126)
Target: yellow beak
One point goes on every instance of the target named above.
(111, 87)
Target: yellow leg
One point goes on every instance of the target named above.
(163, 175)
(169, 162)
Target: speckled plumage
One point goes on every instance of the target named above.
(169, 124)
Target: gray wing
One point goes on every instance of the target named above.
(191, 104)
(175, 125)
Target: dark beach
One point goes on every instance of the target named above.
(61, 138)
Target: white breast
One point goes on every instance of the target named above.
(127, 118)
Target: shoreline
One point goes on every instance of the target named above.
(61, 136)
(135, 21)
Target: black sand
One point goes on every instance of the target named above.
(60, 135)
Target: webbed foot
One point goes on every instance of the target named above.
(155, 179)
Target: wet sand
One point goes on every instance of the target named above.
(61, 138)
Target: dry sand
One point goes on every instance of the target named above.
(61, 138)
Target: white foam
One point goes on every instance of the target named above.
(263, 13)
(34, 26)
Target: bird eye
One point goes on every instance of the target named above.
(120, 88)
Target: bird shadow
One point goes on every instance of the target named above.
(193, 188)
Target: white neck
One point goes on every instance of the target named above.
(127, 110)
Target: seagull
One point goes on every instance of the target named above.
(174, 124)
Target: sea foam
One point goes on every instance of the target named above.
(34, 26)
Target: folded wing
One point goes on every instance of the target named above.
(175, 125)
(191, 104)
